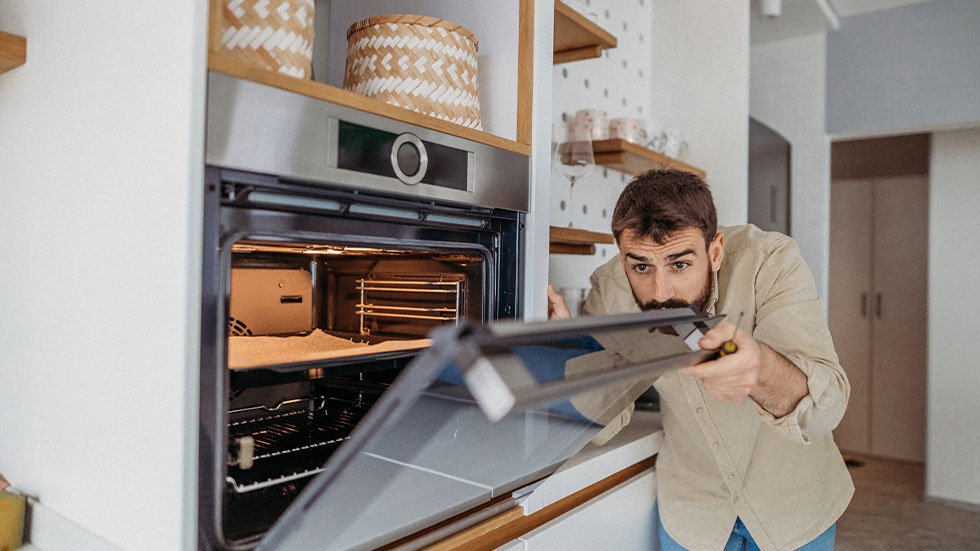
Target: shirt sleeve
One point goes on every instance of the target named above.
(790, 320)
(593, 305)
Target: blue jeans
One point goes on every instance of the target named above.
(741, 540)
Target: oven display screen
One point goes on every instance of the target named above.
(369, 150)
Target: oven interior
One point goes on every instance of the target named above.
(316, 333)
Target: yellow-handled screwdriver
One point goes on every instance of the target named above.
(729, 346)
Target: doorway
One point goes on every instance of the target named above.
(769, 178)
(877, 303)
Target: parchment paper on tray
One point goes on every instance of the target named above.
(245, 352)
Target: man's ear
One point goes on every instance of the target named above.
(716, 251)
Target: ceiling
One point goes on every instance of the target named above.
(847, 8)
(802, 17)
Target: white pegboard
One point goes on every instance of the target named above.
(618, 82)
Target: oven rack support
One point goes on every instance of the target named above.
(454, 290)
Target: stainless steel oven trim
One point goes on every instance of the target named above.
(260, 128)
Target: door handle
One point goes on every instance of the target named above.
(864, 305)
(878, 305)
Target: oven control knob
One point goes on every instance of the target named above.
(409, 159)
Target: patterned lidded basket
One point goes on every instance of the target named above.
(421, 63)
(275, 34)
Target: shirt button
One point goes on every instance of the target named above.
(700, 410)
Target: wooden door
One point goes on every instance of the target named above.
(899, 327)
(849, 303)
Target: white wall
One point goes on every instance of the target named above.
(953, 384)
(787, 93)
(701, 87)
(101, 156)
(905, 69)
(681, 65)
(618, 83)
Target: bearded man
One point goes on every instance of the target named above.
(748, 460)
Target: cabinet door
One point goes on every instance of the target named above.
(621, 519)
(849, 304)
(899, 334)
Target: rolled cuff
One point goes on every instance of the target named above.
(818, 412)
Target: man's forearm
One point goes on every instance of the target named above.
(781, 384)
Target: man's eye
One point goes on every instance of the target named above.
(641, 267)
(680, 265)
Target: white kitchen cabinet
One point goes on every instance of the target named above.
(621, 519)
(877, 312)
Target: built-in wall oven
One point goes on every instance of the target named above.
(339, 248)
(335, 241)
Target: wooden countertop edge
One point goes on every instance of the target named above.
(228, 65)
(511, 524)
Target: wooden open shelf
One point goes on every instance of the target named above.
(630, 158)
(232, 66)
(576, 241)
(576, 37)
(223, 63)
(13, 51)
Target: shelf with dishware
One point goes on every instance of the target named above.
(576, 37)
(630, 158)
(13, 51)
(576, 241)
(516, 139)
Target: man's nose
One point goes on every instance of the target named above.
(662, 290)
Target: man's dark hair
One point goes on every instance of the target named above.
(658, 203)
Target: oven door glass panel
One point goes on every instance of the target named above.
(428, 450)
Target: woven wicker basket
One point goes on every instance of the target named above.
(277, 34)
(421, 63)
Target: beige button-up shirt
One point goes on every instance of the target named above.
(784, 477)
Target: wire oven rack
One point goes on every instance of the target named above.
(450, 291)
(296, 444)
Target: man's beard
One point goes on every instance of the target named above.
(701, 302)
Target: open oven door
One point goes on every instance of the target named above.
(484, 411)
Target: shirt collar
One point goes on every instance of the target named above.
(713, 301)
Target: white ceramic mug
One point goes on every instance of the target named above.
(590, 124)
(631, 130)
(672, 146)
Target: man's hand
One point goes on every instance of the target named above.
(754, 370)
(556, 305)
(735, 376)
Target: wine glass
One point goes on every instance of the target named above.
(573, 157)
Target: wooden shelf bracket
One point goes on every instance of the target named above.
(13, 51)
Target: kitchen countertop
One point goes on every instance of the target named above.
(637, 441)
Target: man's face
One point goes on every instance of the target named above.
(672, 275)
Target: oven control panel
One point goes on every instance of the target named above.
(403, 156)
